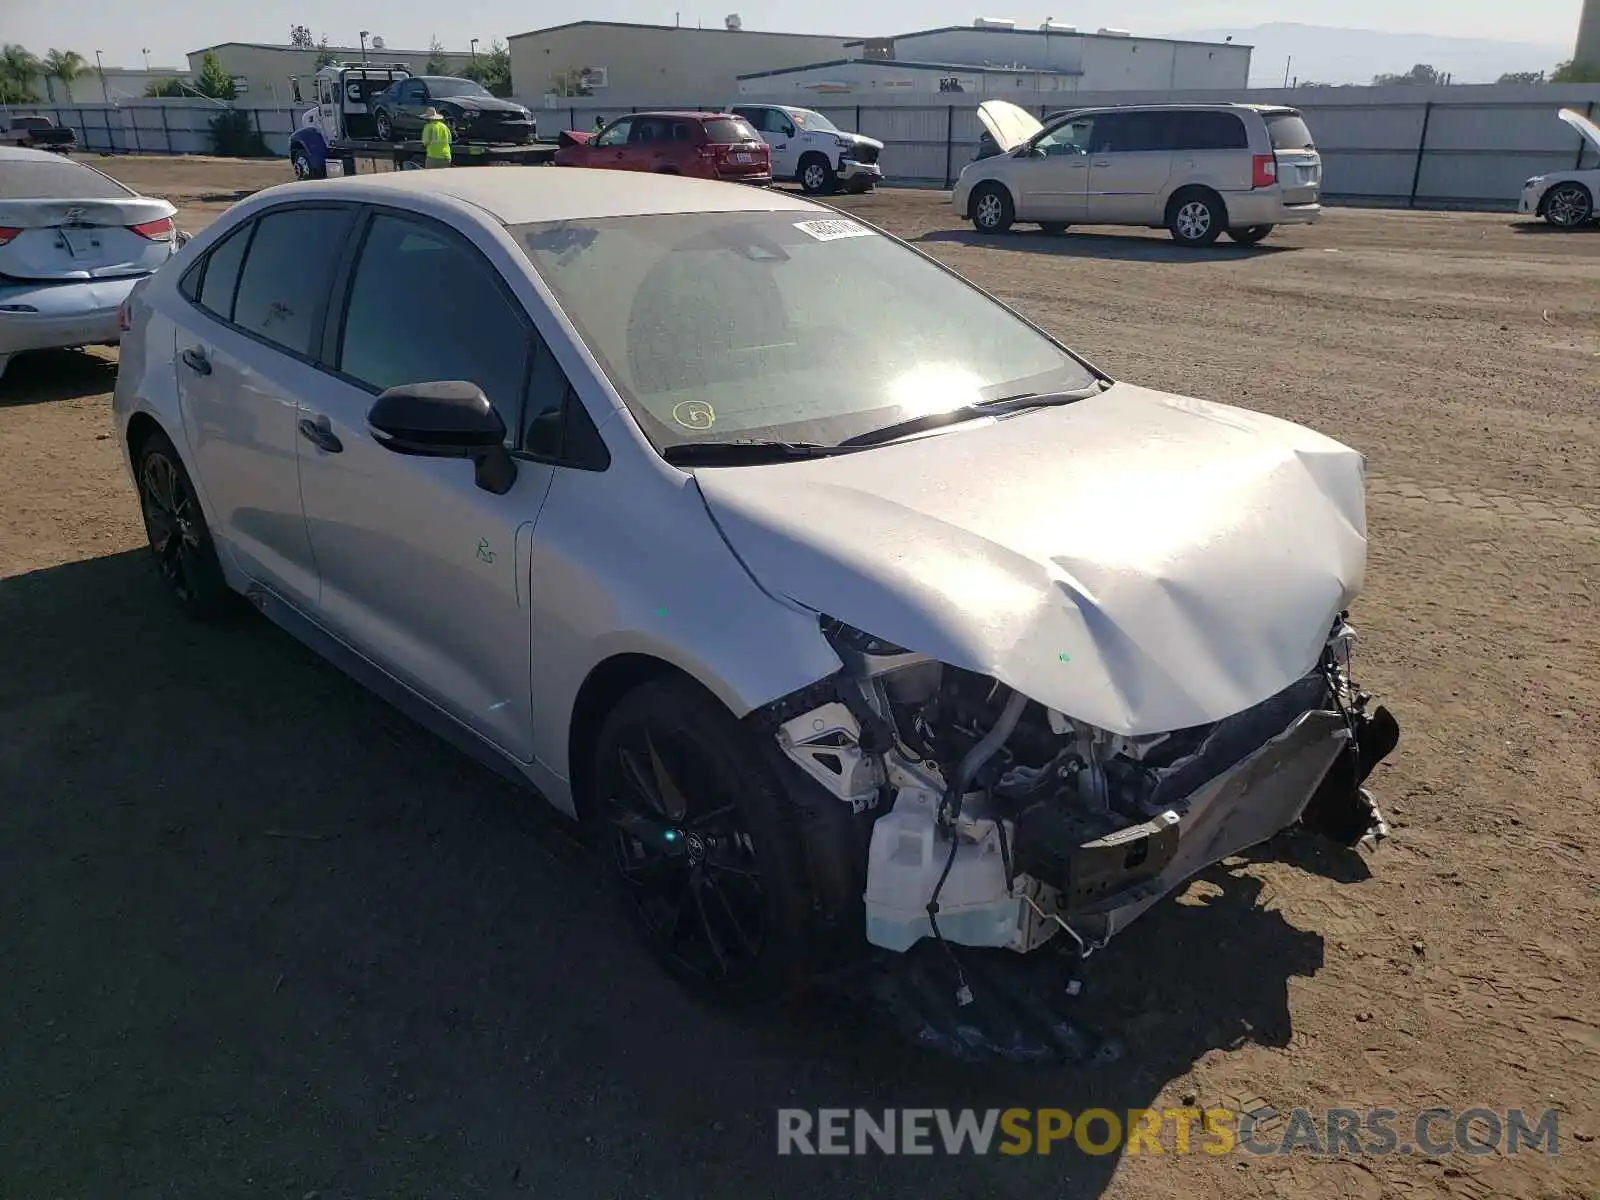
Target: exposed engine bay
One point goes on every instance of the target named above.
(998, 822)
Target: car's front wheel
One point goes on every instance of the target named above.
(384, 124)
(179, 538)
(1568, 205)
(693, 826)
(992, 209)
(303, 168)
(817, 175)
(1250, 234)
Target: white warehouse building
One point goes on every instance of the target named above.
(871, 77)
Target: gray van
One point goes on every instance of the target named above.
(1199, 170)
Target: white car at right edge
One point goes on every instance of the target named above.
(1566, 198)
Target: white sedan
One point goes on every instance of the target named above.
(849, 608)
(1566, 199)
(73, 243)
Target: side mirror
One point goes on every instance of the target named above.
(445, 419)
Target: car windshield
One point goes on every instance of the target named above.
(439, 86)
(53, 178)
(787, 325)
(810, 119)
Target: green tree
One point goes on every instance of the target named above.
(436, 64)
(492, 69)
(300, 37)
(65, 65)
(19, 67)
(1574, 72)
(325, 56)
(165, 87)
(1521, 77)
(234, 135)
(570, 81)
(213, 81)
(1421, 73)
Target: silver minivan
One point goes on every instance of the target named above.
(1199, 170)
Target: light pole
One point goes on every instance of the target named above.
(364, 33)
(100, 67)
(146, 53)
(473, 46)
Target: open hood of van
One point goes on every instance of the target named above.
(1007, 124)
(1586, 128)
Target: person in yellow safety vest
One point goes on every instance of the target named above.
(435, 138)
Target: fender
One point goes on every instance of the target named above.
(310, 140)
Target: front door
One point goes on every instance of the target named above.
(1053, 174)
(413, 99)
(779, 133)
(1130, 158)
(424, 572)
(242, 362)
(610, 146)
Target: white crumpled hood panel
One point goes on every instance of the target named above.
(1140, 561)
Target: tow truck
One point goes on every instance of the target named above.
(339, 133)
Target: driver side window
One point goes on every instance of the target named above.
(1070, 138)
(615, 134)
(413, 93)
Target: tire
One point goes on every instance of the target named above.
(1569, 205)
(696, 836)
(383, 126)
(1250, 234)
(1196, 218)
(302, 165)
(180, 540)
(1053, 228)
(816, 175)
(991, 208)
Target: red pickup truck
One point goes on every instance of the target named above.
(701, 144)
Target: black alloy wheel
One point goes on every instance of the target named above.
(179, 539)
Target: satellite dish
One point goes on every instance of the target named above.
(378, 44)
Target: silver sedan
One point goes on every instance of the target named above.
(846, 607)
(73, 242)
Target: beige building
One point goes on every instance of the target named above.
(263, 72)
(654, 64)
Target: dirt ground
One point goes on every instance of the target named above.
(262, 937)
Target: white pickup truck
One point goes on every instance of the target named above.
(812, 150)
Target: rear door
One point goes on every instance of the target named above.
(1129, 160)
(649, 145)
(1212, 148)
(244, 351)
(1299, 163)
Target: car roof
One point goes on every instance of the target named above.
(1220, 106)
(519, 195)
(687, 114)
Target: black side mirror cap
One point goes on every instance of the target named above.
(445, 419)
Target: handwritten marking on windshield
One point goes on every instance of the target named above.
(694, 414)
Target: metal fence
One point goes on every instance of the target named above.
(1423, 147)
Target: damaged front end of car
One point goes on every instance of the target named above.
(972, 818)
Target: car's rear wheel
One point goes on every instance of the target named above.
(1250, 234)
(179, 538)
(817, 175)
(992, 209)
(1568, 205)
(384, 124)
(1196, 217)
(694, 830)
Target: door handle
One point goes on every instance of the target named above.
(320, 436)
(1102, 162)
(195, 359)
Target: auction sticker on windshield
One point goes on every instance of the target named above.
(832, 230)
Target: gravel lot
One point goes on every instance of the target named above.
(262, 937)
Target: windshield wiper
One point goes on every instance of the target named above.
(970, 412)
(740, 451)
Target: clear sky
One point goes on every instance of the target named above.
(170, 28)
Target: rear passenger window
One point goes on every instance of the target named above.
(285, 277)
(426, 307)
(682, 131)
(1129, 132)
(723, 132)
(1210, 131)
(222, 273)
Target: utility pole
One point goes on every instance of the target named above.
(473, 46)
(100, 66)
(1286, 64)
(146, 53)
(364, 33)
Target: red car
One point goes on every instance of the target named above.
(702, 144)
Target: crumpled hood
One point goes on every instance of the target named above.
(482, 104)
(861, 139)
(1141, 561)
